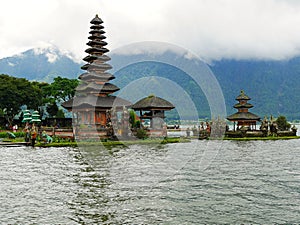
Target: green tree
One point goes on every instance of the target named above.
(16, 92)
(52, 109)
(60, 114)
(282, 123)
(132, 118)
(60, 90)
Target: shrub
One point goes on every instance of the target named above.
(282, 123)
(141, 134)
(17, 134)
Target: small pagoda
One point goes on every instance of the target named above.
(94, 100)
(243, 118)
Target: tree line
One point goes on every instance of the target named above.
(19, 93)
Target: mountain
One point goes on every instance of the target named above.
(274, 86)
(144, 78)
(40, 64)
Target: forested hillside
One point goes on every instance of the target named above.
(274, 86)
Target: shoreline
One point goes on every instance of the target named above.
(108, 143)
(270, 138)
(169, 140)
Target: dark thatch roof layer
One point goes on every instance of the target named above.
(91, 58)
(94, 49)
(96, 20)
(242, 96)
(98, 88)
(95, 43)
(96, 101)
(95, 76)
(96, 36)
(97, 32)
(96, 27)
(247, 105)
(153, 102)
(243, 116)
(103, 66)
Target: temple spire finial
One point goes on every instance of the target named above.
(96, 20)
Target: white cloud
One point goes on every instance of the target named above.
(213, 29)
(148, 47)
(51, 57)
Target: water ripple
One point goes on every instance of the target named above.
(247, 182)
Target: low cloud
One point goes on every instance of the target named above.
(212, 29)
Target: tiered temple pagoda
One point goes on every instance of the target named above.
(94, 100)
(243, 118)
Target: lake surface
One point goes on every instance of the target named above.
(186, 183)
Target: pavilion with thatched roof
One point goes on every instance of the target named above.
(153, 108)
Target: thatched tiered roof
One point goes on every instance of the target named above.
(242, 96)
(242, 106)
(153, 102)
(95, 79)
(243, 116)
(99, 102)
(95, 82)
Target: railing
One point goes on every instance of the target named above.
(59, 132)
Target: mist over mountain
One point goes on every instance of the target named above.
(41, 64)
(273, 86)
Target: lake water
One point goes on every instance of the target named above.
(210, 182)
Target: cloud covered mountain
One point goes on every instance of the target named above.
(274, 86)
(41, 64)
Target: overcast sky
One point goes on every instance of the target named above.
(213, 29)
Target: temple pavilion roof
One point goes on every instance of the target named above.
(89, 101)
(97, 66)
(96, 26)
(97, 32)
(95, 91)
(242, 96)
(95, 76)
(93, 43)
(153, 102)
(97, 36)
(96, 49)
(90, 58)
(96, 20)
(243, 116)
(97, 88)
(246, 105)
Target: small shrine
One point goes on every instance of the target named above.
(243, 118)
(94, 103)
(153, 108)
